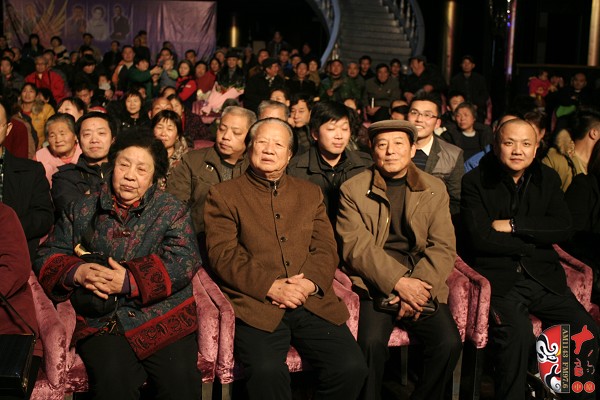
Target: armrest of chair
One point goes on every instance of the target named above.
(225, 359)
(52, 334)
(350, 298)
(459, 297)
(479, 305)
(208, 331)
(580, 277)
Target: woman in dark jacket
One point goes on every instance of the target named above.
(133, 118)
(125, 257)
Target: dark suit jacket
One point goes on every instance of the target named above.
(27, 191)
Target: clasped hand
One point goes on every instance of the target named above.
(291, 292)
(101, 280)
(412, 294)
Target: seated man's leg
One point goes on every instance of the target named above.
(114, 371)
(263, 356)
(441, 349)
(331, 351)
(174, 372)
(511, 341)
(374, 330)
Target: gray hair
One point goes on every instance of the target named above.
(266, 104)
(241, 112)
(261, 122)
(61, 117)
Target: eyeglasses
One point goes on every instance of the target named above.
(425, 115)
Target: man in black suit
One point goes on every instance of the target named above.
(24, 187)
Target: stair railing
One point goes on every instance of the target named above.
(408, 13)
(329, 12)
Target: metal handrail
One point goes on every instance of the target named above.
(329, 12)
(408, 13)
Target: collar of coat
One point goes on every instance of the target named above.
(413, 179)
(264, 184)
(493, 172)
(107, 193)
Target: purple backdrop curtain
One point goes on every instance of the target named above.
(186, 24)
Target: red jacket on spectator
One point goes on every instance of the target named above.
(50, 80)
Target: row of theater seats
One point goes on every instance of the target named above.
(63, 371)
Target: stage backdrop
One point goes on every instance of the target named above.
(186, 24)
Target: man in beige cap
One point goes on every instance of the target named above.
(398, 245)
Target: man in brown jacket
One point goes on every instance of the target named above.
(398, 244)
(272, 249)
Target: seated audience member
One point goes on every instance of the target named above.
(62, 145)
(360, 137)
(281, 95)
(399, 113)
(513, 210)
(259, 86)
(141, 74)
(300, 82)
(231, 75)
(434, 155)
(166, 126)
(337, 86)
(365, 72)
(472, 85)
(21, 141)
(300, 106)
(121, 305)
(379, 93)
(205, 79)
(43, 77)
(397, 260)
(192, 125)
(583, 199)
(36, 110)
(95, 132)
(570, 153)
(273, 109)
(272, 249)
(328, 163)
(186, 83)
(133, 118)
(424, 78)
(471, 136)
(313, 71)
(9, 78)
(200, 169)
(73, 106)
(454, 100)
(25, 189)
(14, 287)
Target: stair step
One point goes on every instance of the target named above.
(390, 41)
(347, 30)
(366, 28)
(367, 20)
(374, 13)
(390, 51)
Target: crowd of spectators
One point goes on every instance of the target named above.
(384, 174)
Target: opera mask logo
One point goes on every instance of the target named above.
(563, 359)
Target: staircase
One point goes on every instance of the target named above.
(368, 27)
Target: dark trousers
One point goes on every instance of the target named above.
(115, 373)
(512, 335)
(441, 349)
(330, 349)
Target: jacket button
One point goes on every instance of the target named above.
(277, 216)
(287, 263)
(275, 193)
(126, 233)
(519, 269)
(131, 314)
(283, 239)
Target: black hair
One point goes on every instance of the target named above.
(169, 115)
(431, 97)
(147, 142)
(76, 101)
(298, 97)
(97, 114)
(582, 121)
(325, 111)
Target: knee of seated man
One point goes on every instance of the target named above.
(266, 369)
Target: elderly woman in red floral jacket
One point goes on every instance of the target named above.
(125, 257)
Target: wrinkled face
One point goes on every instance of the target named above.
(271, 152)
(352, 70)
(95, 139)
(467, 66)
(85, 95)
(200, 70)
(28, 94)
(69, 108)
(515, 147)
(40, 65)
(365, 65)
(383, 74)
(61, 139)
(132, 175)
(231, 136)
(166, 131)
(425, 116)
(5, 68)
(333, 137)
(184, 69)
(392, 152)
(160, 104)
(279, 96)
(464, 119)
(300, 114)
(133, 105)
(128, 54)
